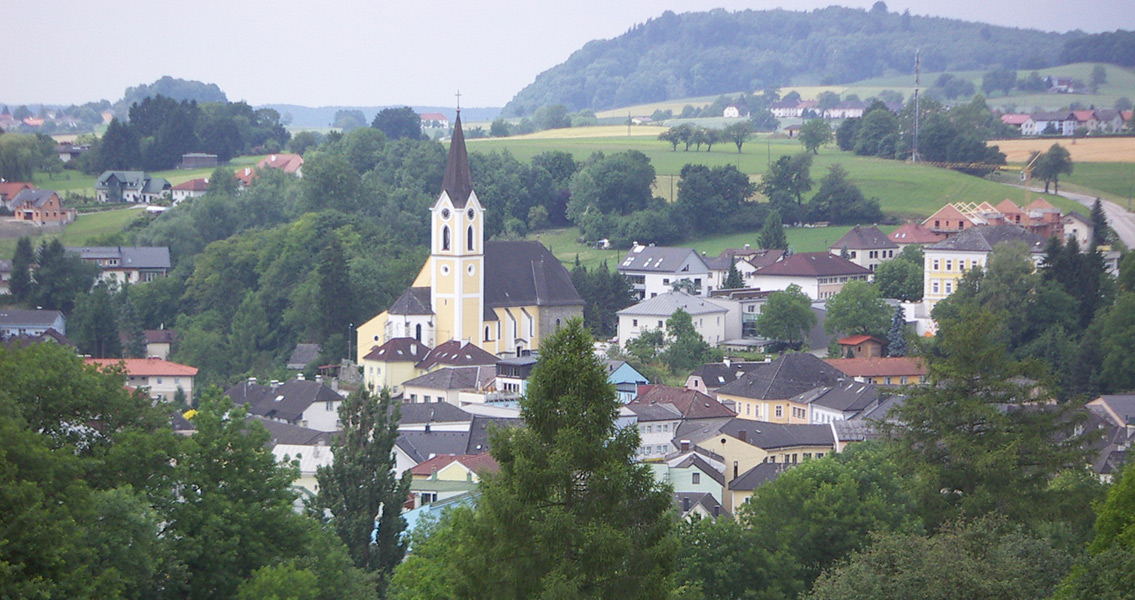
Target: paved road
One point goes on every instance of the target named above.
(1121, 220)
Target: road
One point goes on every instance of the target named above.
(1119, 218)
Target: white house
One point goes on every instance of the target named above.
(1064, 122)
(15, 322)
(820, 275)
(867, 247)
(162, 378)
(711, 319)
(126, 264)
(653, 269)
(309, 404)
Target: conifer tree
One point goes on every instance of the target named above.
(21, 283)
(772, 233)
(1099, 226)
(896, 337)
(733, 279)
(361, 490)
(571, 514)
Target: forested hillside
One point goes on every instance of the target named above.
(710, 53)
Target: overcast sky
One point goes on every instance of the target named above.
(376, 52)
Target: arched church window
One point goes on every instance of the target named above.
(445, 238)
(418, 332)
(469, 238)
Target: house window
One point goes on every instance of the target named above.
(159, 380)
(793, 458)
(426, 399)
(935, 268)
(807, 455)
(329, 406)
(937, 224)
(429, 497)
(949, 287)
(649, 428)
(819, 455)
(660, 324)
(662, 449)
(902, 379)
(665, 427)
(634, 322)
(696, 479)
(853, 254)
(413, 398)
(949, 264)
(779, 411)
(665, 282)
(772, 458)
(934, 286)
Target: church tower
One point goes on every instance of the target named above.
(457, 250)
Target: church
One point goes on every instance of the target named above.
(501, 296)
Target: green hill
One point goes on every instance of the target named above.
(715, 52)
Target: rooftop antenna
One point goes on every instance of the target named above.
(917, 74)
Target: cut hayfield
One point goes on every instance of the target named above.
(1110, 150)
(596, 131)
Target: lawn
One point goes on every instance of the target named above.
(564, 245)
(84, 229)
(1116, 180)
(903, 189)
(84, 184)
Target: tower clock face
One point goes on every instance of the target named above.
(445, 213)
(470, 213)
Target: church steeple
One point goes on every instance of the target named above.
(458, 182)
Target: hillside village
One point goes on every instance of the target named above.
(359, 363)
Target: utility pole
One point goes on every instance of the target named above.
(917, 74)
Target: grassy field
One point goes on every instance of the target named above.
(83, 184)
(903, 189)
(564, 245)
(1116, 180)
(85, 228)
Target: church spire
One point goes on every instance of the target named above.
(458, 182)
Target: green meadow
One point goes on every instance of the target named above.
(84, 185)
(86, 228)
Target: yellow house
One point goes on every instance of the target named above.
(503, 297)
(767, 393)
(947, 261)
(445, 476)
(392, 363)
(893, 370)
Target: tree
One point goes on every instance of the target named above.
(877, 134)
(687, 350)
(708, 197)
(815, 133)
(896, 337)
(901, 278)
(789, 174)
(840, 201)
(817, 513)
(738, 133)
(1051, 165)
(857, 309)
(60, 278)
(20, 284)
(1100, 233)
(786, 316)
(985, 558)
(399, 123)
(334, 300)
(1117, 344)
(672, 137)
(224, 181)
(1098, 78)
(616, 184)
(976, 439)
(499, 128)
(571, 513)
(117, 149)
(95, 325)
(998, 79)
(772, 235)
(348, 120)
(733, 278)
(361, 489)
(20, 157)
(719, 559)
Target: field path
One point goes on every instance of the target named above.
(1120, 219)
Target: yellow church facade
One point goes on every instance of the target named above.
(503, 297)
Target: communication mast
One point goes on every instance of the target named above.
(917, 73)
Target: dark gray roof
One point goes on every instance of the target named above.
(783, 378)
(302, 356)
(526, 274)
(399, 350)
(433, 412)
(703, 499)
(285, 433)
(695, 431)
(655, 412)
(848, 396)
(454, 378)
(479, 431)
(286, 401)
(758, 476)
(716, 375)
(1123, 405)
(458, 181)
(661, 259)
(454, 353)
(421, 445)
(414, 301)
(854, 430)
(864, 238)
(128, 179)
(694, 460)
(131, 257)
(156, 185)
(1063, 115)
(669, 303)
(769, 436)
(883, 410)
(984, 237)
(31, 197)
(29, 318)
(813, 264)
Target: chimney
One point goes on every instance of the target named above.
(746, 246)
(735, 473)
(275, 383)
(427, 427)
(725, 361)
(318, 379)
(685, 445)
(299, 377)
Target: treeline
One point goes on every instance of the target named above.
(715, 52)
(1115, 47)
(161, 130)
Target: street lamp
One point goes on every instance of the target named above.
(350, 327)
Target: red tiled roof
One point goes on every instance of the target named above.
(193, 185)
(1014, 119)
(9, 189)
(914, 233)
(691, 403)
(433, 117)
(290, 163)
(855, 340)
(477, 463)
(145, 367)
(895, 366)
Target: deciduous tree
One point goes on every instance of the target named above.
(787, 316)
(815, 133)
(858, 309)
(1051, 165)
(772, 235)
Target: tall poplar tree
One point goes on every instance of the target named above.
(21, 283)
(361, 490)
(772, 233)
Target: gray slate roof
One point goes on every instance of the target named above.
(33, 197)
(285, 433)
(479, 431)
(758, 476)
(454, 353)
(29, 318)
(984, 237)
(128, 179)
(286, 401)
(864, 238)
(302, 356)
(716, 375)
(130, 257)
(414, 301)
(399, 350)
(455, 378)
(421, 445)
(668, 303)
(813, 264)
(526, 274)
(661, 259)
(434, 412)
(769, 436)
(848, 396)
(783, 378)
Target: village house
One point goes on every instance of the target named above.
(309, 447)
(1057, 123)
(711, 320)
(861, 346)
(501, 296)
(161, 378)
(41, 207)
(839, 402)
(310, 404)
(867, 247)
(652, 270)
(734, 111)
(434, 121)
(692, 472)
(911, 233)
(160, 342)
(893, 370)
(130, 186)
(291, 164)
(16, 322)
(443, 477)
(626, 379)
(746, 260)
(126, 264)
(9, 189)
(456, 385)
(946, 262)
(661, 409)
(395, 361)
(711, 376)
(767, 393)
(820, 275)
(193, 188)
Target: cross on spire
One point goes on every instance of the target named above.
(458, 94)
